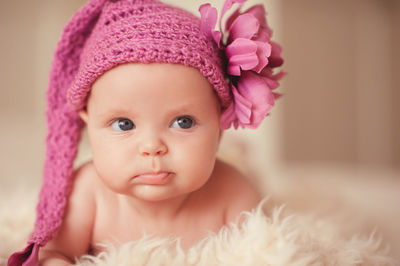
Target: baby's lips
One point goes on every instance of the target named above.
(153, 178)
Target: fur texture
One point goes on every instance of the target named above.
(276, 239)
(261, 240)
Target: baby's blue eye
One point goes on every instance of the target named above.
(183, 122)
(123, 124)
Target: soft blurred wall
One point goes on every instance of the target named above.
(396, 80)
(342, 98)
(340, 101)
(29, 32)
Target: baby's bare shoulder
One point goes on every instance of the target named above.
(233, 180)
(76, 226)
(236, 190)
(85, 177)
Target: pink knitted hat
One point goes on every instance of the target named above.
(107, 33)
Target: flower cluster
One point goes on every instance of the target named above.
(251, 58)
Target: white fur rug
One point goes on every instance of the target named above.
(278, 239)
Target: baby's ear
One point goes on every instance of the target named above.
(84, 115)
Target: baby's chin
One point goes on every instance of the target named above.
(155, 193)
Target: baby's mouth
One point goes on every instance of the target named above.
(153, 178)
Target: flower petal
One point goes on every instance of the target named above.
(242, 54)
(209, 16)
(229, 3)
(262, 36)
(242, 107)
(244, 26)
(232, 18)
(263, 52)
(241, 62)
(253, 88)
(277, 95)
(272, 84)
(258, 11)
(238, 113)
(275, 60)
(272, 79)
(217, 36)
(279, 75)
(228, 116)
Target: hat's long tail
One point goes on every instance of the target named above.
(63, 133)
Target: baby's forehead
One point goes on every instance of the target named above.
(154, 83)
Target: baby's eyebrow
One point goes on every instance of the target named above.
(115, 111)
(182, 108)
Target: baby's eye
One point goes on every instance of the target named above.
(183, 122)
(123, 124)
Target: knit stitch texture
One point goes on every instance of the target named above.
(147, 31)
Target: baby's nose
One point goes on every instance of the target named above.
(153, 147)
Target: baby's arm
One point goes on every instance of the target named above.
(73, 238)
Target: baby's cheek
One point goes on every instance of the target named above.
(108, 163)
(197, 162)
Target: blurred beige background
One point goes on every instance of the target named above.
(332, 141)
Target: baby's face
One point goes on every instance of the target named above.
(153, 129)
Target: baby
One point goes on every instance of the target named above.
(155, 86)
(154, 168)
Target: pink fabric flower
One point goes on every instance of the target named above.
(251, 57)
(209, 17)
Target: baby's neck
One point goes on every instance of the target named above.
(163, 209)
